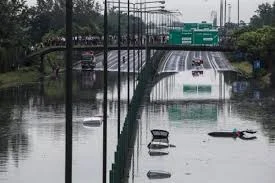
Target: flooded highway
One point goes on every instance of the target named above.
(189, 107)
(32, 127)
(198, 157)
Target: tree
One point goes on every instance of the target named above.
(259, 44)
(265, 15)
(14, 15)
(14, 22)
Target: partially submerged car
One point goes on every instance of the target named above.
(159, 134)
(197, 73)
(88, 61)
(158, 174)
(158, 144)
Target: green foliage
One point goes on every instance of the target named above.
(24, 75)
(23, 26)
(48, 19)
(258, 43)
(14, 22)
(260, 73)
(265, 15)
(258, 39)
(244, 67)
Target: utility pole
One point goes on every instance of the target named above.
(68, 93)
(118, 73)
(221, 13)
(225, 11)
(105, 75)
(238, 13)
(229, 13)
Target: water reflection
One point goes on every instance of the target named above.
(194, 111)
(183, 86)
(14, 140)
(32, 129)
(257, 104)
(239, 87)
(32, 126)
(191, 116)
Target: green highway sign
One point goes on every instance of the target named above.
(194, 34)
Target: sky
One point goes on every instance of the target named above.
(200, 10)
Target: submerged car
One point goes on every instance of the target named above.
(88, 61)
(159, 134)
(158, 174)
(197, 73)
(158, 144)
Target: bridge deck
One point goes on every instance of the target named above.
(50, 49)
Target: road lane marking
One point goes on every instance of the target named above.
(214, 61)
(168, 58)
(185, 61)
(210, 63)
(177, 64)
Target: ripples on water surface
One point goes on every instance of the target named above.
(32, 131)
(191, 109)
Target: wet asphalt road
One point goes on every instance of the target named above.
(136, 60)
(177, 61)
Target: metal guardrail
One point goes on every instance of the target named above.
(127, 136)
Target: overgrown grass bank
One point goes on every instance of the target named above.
(247, 70)
(23, 75)
(244, 67)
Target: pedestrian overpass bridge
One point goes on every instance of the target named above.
(50, 49)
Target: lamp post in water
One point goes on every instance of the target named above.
(105, 55)
(128, 55)
(68, 93)
(238, 13)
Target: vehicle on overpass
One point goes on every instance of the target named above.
(197, 61)
(88, 61)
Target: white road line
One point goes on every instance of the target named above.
(177, 64)
(185, 61)
(210, 63)
(214, 61)
(168, 58)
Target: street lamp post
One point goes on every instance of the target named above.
(225, 11)
(221, 13)
(119, 70)
(238, 13)
(229, 13)
(68, 93)
(105, 64)
(128, 54)
(138, 32)
(134, 51)
(141, 34)
(128, 40)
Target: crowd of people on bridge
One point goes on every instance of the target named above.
(98, 40)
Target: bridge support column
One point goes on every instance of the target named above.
(42, 64)
(272, 77)
(148, 54)
(148, 60)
